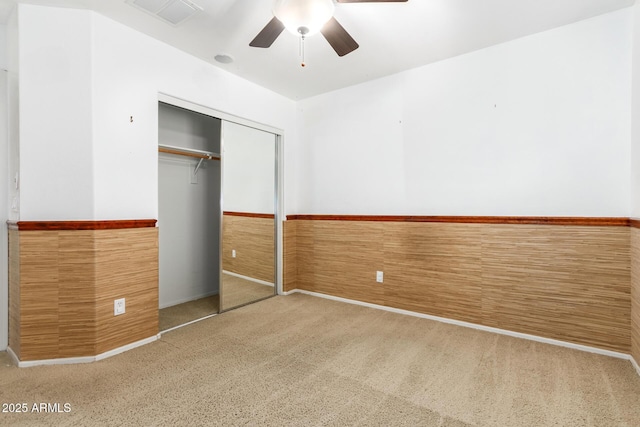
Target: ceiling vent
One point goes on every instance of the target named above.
(173, 12)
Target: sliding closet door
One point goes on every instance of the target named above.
(248, 221)
(188, 215)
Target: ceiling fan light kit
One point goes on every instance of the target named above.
(307, 17)
(303, 17)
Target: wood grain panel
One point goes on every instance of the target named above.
(570, 284)
(434, 269)
(76, 294)
(126, 267)
(253, 240)
(14, 291)
(341, 258)
(635, 294)
(290, 258)
(565, 282)
(39, 296)
(539, 220)
(63, 283)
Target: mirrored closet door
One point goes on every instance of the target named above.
(249, 215)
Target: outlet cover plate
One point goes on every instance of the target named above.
(118, 307)
(379, 276)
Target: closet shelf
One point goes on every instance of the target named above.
(190, 152)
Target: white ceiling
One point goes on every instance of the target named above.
(392, 36)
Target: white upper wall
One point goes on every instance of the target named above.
(3, 48)
(84, 77)
(635, 114)
(56, 132)
(536, 126)
(13, 104)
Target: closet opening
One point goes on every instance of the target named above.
(218, 210)
(189, 183)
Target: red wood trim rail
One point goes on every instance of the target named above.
(143, 223)
(80, 225)
(250, 214)
(535, 220)
(634, 222)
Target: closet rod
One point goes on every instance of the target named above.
(188, 152)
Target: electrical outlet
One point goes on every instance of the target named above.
(118, 307)
(379, 276)
(233, 253)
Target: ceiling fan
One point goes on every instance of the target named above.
(307, 17)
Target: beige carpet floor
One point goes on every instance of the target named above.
(180, 314)
(298, 360)
(236, 292)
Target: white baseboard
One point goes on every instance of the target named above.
(580, 347)
(127, 347)
(635, 364)
(251, 279)
(12, 355)
(85, 359)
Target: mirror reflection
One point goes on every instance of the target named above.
(248, 221)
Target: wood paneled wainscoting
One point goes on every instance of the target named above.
(561, 278)
(635, 292)
(64, 277)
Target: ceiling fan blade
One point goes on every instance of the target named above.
(269, 34)
(371, 1)
(338, 37)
